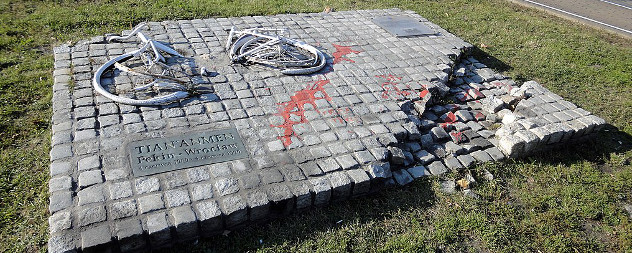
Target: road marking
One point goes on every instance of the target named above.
(579, 16)
(616, 4)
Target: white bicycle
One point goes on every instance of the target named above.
(269, 47)
(148, 72)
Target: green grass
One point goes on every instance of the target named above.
(566, 201)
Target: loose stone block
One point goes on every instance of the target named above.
(511, 145)
(439, 134)
(437, 168)
(481, 156)
(382, 170)
(418, 171)
(397, 155)
(402, 177)
(453, 163)
(467, 160)
(424, 157)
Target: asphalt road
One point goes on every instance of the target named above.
(614, 15)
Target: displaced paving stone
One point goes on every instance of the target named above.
(437, 168)
(402, 177)
(481, 156)
(466, 160)
(418, 171)
(447, 186)
(379, 170)
(397, 155)
(453, 163)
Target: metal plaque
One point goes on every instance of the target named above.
(159, 155)
(402, 26)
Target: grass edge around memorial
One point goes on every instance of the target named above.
(561, 201)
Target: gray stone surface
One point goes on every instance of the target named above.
(360, 124)
(418, 171)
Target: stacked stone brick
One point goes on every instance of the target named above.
(375, 116)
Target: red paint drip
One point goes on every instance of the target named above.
(390, 86)
(423, 93)
(342, 51)
(296, 108)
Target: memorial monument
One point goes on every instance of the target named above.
(228, 140)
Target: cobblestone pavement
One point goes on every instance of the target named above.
(376, 116)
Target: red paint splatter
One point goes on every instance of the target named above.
(342, 51)
(448, 120)
(458, 136)
(475, 94)
(479, 116)
(341, 115)
(502, 84)
(390, 86)
(296, 107)
(463, 96)
(423, 94)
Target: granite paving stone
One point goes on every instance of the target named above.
(259, 205)
(129, 235)
(418, 171)
(386, 111)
